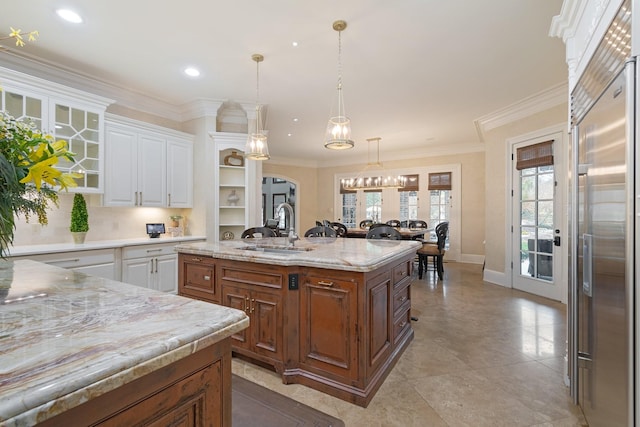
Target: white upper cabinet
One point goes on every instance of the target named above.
(147, 165)
(68, 114)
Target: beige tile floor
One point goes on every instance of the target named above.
(483, 355)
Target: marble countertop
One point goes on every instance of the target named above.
(98, 244)
(67, 337)
(360, 255)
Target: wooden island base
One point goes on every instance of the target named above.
(336, 331)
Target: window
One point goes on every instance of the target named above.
(408, 205)
(373, 208)
(439, 206)
(349, 209)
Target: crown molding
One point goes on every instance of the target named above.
(554, 96)
(564, 25)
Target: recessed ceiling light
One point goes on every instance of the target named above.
(69, 15)
(289, 134)
(294, 44)
(295, 119)
(192, 72)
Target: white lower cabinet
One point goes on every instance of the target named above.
(98, 262)
(151, 266)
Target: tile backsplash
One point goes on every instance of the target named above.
(105, 223)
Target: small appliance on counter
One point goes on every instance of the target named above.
(155, 230)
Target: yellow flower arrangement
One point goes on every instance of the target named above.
(29, 180)
(19, 35)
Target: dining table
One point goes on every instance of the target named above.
(407, 233)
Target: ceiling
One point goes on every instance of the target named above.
(416, 73)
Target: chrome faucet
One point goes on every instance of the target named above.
(292, 236)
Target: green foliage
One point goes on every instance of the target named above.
(79, 215)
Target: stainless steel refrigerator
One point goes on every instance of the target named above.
(602, 248)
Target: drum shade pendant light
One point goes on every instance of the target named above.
(338, 135)
(257, 148)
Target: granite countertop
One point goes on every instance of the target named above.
(98, 244)
(360, 255)
(67, 337)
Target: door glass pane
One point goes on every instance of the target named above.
(374, 206)
(536, 222)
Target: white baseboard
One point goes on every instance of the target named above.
(471, 258)
(497, 278)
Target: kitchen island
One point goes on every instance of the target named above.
(80, 349)
(330, 313)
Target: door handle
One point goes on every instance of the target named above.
(556, 241)
(587, 264)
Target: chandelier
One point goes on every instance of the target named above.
(257, 148)
(372, 180)
(338, 135)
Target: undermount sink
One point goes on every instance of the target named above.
(276, 249)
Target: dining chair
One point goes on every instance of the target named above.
(340, 228)
(320, 231)
(366, 223)
(435, 251)
(254, 232)
(418, 223)
(394, 223)
(377, 224)
(384, 232)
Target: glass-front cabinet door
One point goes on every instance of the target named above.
(68, 114)
(81, 129)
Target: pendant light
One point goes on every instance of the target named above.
(338, 135)
(257, 148)
(374, 180)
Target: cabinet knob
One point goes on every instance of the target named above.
(207, 277)
(403, 324)
(253, 306)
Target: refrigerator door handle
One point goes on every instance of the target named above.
(587, 264)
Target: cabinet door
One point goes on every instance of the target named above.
(266, 323)
(238, 298)
(179, 174)
(121, 166)
(152, 158)
(166, 273)
(378, 339)
(328, 327)
(138, 271)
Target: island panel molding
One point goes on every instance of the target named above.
(332, 314)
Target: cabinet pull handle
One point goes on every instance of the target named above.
(137, 203)
(323, 283)
(156, 264)
(140, 204)
(246, 304)
(253, 308)
(403, 324)
(151, 266)
(154, 250)
(169, 199)
(207, 277)
(196, 259)
(68, 260)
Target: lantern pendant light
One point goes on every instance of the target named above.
(257, 148)
(338, 135)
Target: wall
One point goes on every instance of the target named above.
(472, 188)
(306, 192)
(104, 223)
(497, 221)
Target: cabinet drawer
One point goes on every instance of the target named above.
(200, 277)
(401, 325)
(75, 259)
(401, 271)
(401, 298)
(143, 251)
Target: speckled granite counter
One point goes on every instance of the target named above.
(360, 255)
(67, 337)
(97, 244)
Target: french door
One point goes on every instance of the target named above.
(535, 218)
